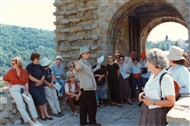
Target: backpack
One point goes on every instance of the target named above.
(176, 86)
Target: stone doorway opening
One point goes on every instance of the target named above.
(126, 25)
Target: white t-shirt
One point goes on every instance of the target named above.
(167, 85)
(72, 90)
(181, 74)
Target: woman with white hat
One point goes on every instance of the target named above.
(50, 91)
(178, 71)
(87, 86)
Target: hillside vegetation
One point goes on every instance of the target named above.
(22, 41)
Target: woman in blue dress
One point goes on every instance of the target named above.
(36, 86)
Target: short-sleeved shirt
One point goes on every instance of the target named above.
(100, 71)
(112, 70)
(57, 71)
(71, 90)
(136, 69)
(12, 77)
(48, 75)
(36, 71)
(182, 76)
(167, 85)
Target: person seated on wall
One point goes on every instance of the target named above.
(72, 93)
(70, 66)
(58, 70)
(17, 79)
(36, 85)
(178, 70)
(50, 91)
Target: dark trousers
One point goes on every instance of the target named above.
(114, 91)
(88, 106)
(139, 83)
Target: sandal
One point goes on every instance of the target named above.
(119, 105)
(113, 103)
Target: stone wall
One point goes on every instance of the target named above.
(9, 113)
(179, 115)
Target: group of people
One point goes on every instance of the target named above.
(86, 86)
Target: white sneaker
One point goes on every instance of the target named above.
(34, 124)
(38, 123)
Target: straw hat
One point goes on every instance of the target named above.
(45, 61)
(83, 50)
(175, 53)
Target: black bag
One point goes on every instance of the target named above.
(144, 70)
(100, 83)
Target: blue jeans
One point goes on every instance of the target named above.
(62, 83)
(134, 82)
(144, 80)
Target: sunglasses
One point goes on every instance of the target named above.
(58, 59)
(13, 64)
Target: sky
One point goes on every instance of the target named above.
(39, 14)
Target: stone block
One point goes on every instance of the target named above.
(9, 107)
(92, 7)
(2, 91)
(87, 27)
(1, 108)
(83, 9)
(75, 48)
(94, 47)
(74, 20)
(14, 111)
(5, 114)
(63, 49)
(94, 37)
(3, 100)
(82, 33)
(11, 118)
(17, 122)
(71, 12)
(75, 29)
(87, 37)
(3, 121)
(65, 21)
(65, 55)
(65, 30)
(72, 38)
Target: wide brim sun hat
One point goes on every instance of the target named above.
(45, 61)
(175, 53)
(58, 57)
(83, 50)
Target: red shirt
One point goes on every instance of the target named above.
(12, 77)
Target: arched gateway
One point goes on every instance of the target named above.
(110, 25)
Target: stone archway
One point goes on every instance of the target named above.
(145, 32)
(114, 11)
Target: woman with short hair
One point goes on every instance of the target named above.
(72, 93)
(50, 91)
(178, 70)
(17, 79)
(156, 96)
(36, 86)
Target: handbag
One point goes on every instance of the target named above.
(143, 70)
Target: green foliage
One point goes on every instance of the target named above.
(21, 41)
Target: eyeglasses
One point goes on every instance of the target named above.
(13, 64)
(58, 59)
(71, 66)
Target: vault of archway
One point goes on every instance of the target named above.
(121, 10)
(145, 32)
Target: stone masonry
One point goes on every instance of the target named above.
(108, 26)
